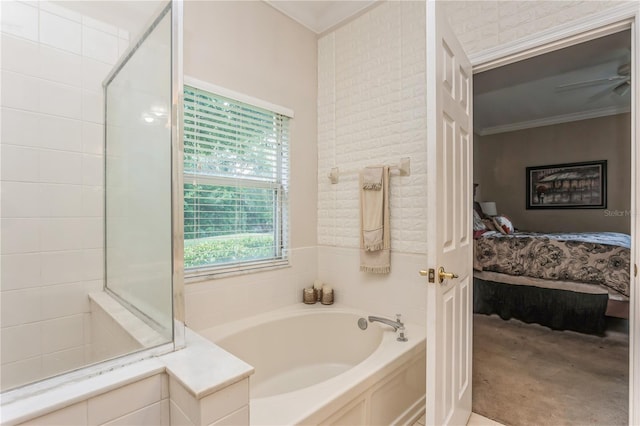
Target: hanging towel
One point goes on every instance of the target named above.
(375, 240)
(372, 178)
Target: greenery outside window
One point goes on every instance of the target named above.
(236, 178)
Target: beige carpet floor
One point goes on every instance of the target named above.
(527, 374)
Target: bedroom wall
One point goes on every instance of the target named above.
(270, 57)
(503, 159)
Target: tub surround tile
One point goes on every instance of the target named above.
(202, 380)
(125, 400)
(204, 368)
(178, 417)
(214, 407)
(239, 417)
(70, 416)
(16, 409)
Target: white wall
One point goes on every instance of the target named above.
(372, 110)
(53, 63)
(251, 48)
(482, 25)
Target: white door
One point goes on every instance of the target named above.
(449, 150)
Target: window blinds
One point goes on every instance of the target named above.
(236, 169)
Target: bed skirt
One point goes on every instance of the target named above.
(554, 308)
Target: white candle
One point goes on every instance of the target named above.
(327, 289)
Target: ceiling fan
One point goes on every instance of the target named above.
(621, 82)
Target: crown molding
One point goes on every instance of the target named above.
(556, 119)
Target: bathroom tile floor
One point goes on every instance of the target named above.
(474, 420)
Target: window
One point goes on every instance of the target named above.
(236, 171)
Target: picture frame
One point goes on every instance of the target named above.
(568, 186)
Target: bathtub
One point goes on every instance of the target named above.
(314, 365)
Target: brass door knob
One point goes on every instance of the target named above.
(442, 275)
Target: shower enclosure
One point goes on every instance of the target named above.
(100, 277)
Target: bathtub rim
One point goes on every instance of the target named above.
(297, 406)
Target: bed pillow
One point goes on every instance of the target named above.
(478, 224)
(490, 225)
(503, 224)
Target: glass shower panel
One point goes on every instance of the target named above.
(138, 181)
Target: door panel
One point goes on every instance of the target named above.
(449, 144)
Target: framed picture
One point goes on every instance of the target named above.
(568, 186)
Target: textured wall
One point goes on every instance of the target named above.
(503, 159)
(482, 25)
(372, 110)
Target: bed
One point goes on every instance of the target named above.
(562, 280)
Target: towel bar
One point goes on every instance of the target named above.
(404, 167)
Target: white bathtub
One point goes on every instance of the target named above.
(315, 366)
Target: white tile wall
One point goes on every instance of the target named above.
(53, 63)
(140, 403)
(226, 406)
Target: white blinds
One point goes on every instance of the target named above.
(236, 168)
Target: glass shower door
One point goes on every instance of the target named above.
(138, 179)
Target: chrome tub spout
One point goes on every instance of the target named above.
(397, 325)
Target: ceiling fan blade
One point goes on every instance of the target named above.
(599, 95)
(622, 88)
(588, 83)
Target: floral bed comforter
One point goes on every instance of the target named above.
(597, 257)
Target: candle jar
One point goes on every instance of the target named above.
(327, 296)
(309, 296)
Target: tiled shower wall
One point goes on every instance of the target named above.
(53, 64)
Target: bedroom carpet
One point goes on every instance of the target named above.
(527, 374)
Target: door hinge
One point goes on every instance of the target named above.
(635, 270)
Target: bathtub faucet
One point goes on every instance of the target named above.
(398, 325)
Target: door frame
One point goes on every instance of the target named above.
(626, 16)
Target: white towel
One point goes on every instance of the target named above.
(375, 240)
(371, 178)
